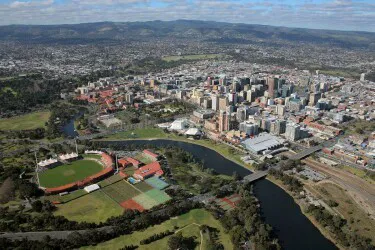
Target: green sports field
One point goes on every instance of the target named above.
(64, 174)
(93, 207)
(121, 191)
(23, 122)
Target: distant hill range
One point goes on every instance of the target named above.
(181, 29)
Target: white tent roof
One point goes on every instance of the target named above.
(91, 188)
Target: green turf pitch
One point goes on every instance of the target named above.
(121, 191)
(145, 201)
(157, 195)
(143, 186)
(68, 173)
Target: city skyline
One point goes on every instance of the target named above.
(316, 14)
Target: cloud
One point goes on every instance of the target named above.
(330, 14)
(18, 4)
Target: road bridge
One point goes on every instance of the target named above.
(306, 152)
(255, 176)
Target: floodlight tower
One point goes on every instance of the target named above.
(36, 169)
(116, 164)
(75, 140)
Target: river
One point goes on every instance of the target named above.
(278, 208)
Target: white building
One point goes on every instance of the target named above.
(91, 188)
(292, 131)
(179, 124)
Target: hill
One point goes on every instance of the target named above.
(218, 32)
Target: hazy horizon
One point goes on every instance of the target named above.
(345, 15)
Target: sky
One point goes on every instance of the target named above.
(358, 15)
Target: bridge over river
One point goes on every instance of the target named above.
(255, 176)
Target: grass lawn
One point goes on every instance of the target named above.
(69, 173)
(94, 207)
(139, 134)
(143, 186)
(121, 191)
(30, 121)
(142, 158)
(183, 222)
(66, 198)
(192, 57)
(348, 208)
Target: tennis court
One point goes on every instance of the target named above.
(132, 204)
(156, 182)
(121, 191)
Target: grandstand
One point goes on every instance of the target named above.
(68, 157)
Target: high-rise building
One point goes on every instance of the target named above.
(215, 102)
(233, 98)
(129, 98)
(363, 75)
(223, 103)
(280, 127)
(249, 128)
(223, 81)
(250, 96)
(241, 114)
(272, 83)
(209, 81)
(224, 121)
(314, 98)
(292, 131)
(280, 110)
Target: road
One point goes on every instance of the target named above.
(362, 191)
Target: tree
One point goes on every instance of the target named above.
(178, 241)
(236, 176)
(7, 191)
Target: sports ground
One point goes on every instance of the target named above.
(68, 173)
(115, 195)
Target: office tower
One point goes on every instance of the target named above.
(280, 110)
(209, 81)
(280, 127)
(224, 121)
(292, 131)
(215, 102)
(272, 87)
(314, 98)
(248, 128)
(223, 103)
(363, 75)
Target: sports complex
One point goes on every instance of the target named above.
(86, 186)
